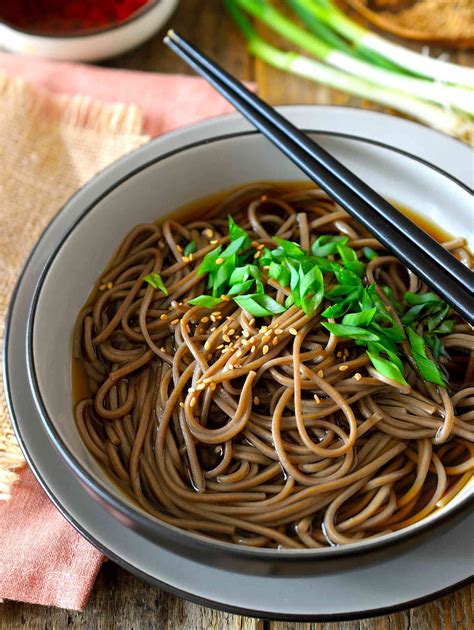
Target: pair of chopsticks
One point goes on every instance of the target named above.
(437, 267)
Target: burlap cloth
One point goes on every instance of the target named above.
(49, 146)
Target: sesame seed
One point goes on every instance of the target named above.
(179, 248)
(216, 312)
(102, 287)
(343, 368)
(254, 243)
(339, 354)
(219, 260)
(181, 404)
(246, 334)
(252, 321)
(192, 402)
(200, 387)
(266, 267)
(163, 316)
(207, 346)
(213, 318)
(317, 399)
(188, 329)
(266, 338)
(256, 400)
(357, 376)
(191, 390)
(279, 331)
(206, 381)
(226, 338)
(320, 373)
(292, 331)
(209, 233)
(252, 349)
(263, 329)
(185, 259)
(231, 332)
(190, 256)
(257, 255)
(260, 247)
(163, 349)
(213, 242)
(109, 285)
(213, 328)
(174, 322)
(245, 342)
(204, 320)
(225, 298)
(230, 366)
(275, 341)
(238, 353)
(220, 346)
(212, 386)
(265, 349)
(209, 357)
(263, 198)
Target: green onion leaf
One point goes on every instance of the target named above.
(350, 260)
(190, 248)
(236, 232)
(235, 246)
(280, 273)
(293, 250)
(369, 253)
(426, 367)
(359, 319)
(206, 301)
(156, 282)
(259, 305)
(420, 298)
(209, 261)
(242, 287)
(353, 332)
(242, 274)
(390, 368)
(326, 244)
(220, 278)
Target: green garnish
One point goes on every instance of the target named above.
(426, 367)
(259, 305)
(332, 271)
(154, 279)
(206, 301)
(190, 248)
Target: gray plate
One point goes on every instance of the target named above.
(365, 585)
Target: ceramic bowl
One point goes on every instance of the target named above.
(91, 45)
(134, 191)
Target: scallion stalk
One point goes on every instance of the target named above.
(443, 119)
(443, 71)
(447, 96)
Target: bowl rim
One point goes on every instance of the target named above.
(147, 523)
(140, 12)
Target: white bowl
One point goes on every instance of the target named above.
(137, 192)
(91, 46)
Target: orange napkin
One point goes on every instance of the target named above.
(43, 560)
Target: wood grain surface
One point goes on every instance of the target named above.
(120, 600)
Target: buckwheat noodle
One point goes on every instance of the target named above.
(273, 433)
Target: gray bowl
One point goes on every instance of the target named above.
(135, 190)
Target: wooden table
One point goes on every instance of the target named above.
(120, 600)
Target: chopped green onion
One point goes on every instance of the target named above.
(206, 301)
(326, 245)
(363, 318)
(426, 367)
(369, 253)
(190, 248)
(293, 250)
(353, 332)
(259, 305)
(154, 279)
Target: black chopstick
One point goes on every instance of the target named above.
(436, 266)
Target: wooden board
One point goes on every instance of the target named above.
(120, 600)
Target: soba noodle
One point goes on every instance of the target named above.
(269, 431)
